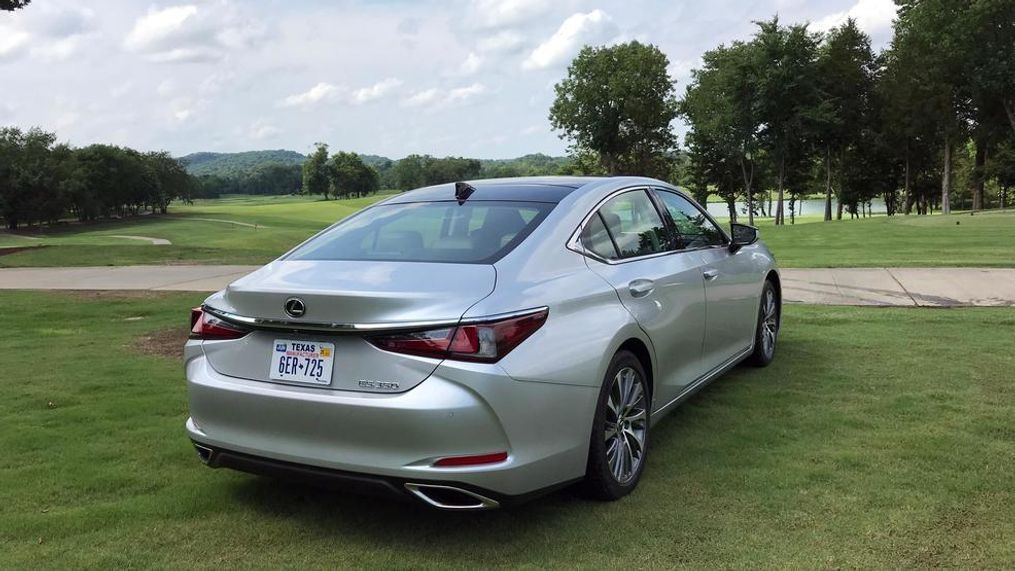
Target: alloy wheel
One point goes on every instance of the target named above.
(626, 425)
(769, 323)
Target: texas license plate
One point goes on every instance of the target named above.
(302, 361)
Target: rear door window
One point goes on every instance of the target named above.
(475, 232)
(634, 224)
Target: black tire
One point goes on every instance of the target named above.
(766, 333)
(601, 479)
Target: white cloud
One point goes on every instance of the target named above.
(57, 50)
(532, 130)
(12, 41)
(328, 92)
(165, 87)
(872, 16)
(422, 98)
(375, 91)
(499, 13)
(122, 89)
(261, 130)
(52, 32)
(183, 108)
(159, 27)
(192, 33)
(434, 98)
(471, 64)
(313, 95)
(465, 93)
(504, 41)
(578, 30)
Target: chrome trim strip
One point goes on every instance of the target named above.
(268, 323)
(484, 503)
(701, 382)
(575, 245)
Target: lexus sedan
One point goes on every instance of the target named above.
(475, 344)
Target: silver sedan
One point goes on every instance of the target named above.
(475, 344)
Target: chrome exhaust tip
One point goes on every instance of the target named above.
(451, 498)
(203, 453)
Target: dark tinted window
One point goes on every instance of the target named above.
(634, 224)
(597, 240)
(694, 229)
(475, 232)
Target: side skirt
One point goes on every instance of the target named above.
(700, 383)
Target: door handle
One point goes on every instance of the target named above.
(710, 274)
(641, 288)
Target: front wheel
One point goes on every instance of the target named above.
(768, 328)
(619, 442)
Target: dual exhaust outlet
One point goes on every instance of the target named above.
(440, 496)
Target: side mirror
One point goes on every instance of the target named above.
(743, 235)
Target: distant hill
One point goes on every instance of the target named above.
(240, 165)
(237, 165)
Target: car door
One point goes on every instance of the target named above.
(628, 243)
(732, 288)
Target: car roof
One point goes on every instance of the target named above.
(523, 189)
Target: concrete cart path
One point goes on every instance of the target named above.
(934, 287)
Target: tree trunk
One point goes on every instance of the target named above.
(828, 183)
(731, 206)
(1009, 109)
(748, 179)
(908, 190)
(946, 179)
(780, 218)
(978, 174)
(838, 212)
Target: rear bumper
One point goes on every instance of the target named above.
(450, 495)
(380, 442)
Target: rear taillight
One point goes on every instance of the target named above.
(485, 341)
(203, 325)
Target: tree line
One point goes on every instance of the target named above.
(928, 123)
(42, 181)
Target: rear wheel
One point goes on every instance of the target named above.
(768, 328)
(620, 429)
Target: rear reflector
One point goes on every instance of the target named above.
(471, 460)
(206, 326)
(485, 342)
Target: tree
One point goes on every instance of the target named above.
(315, 172)
(410, 172)
(787, 96)
(932, 47)
(618, 102)
(720, 105)
(350, 176)
(11, 5)
(846, 69)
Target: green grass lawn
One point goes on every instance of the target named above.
(984, 239)
(200, 233)
(863, 445)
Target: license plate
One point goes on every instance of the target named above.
(302, 361)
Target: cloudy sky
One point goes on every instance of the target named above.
(389, 77)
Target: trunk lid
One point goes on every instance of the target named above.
(380, 295)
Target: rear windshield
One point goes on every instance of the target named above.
(477, 232)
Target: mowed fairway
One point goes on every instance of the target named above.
(244, 230)
(866, 444)
(269, 226)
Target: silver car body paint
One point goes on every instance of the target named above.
(537, 403)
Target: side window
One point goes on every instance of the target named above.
(597, 240)
(634, 224)
(694, 229)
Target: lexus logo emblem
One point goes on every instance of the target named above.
(294, 307)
